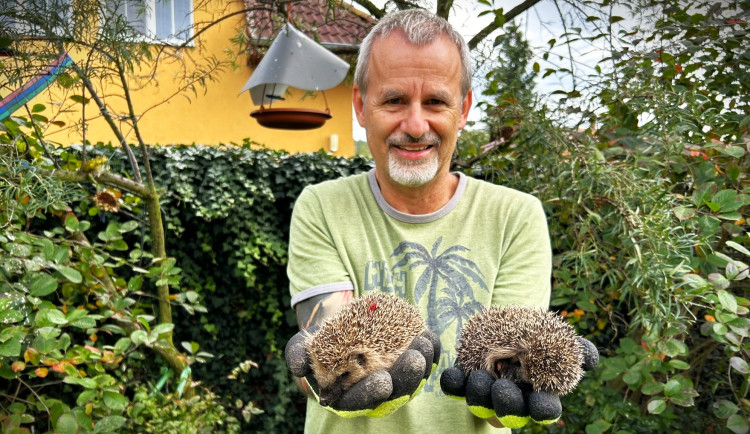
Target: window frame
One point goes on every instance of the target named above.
(145, 22)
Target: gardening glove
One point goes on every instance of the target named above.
(513, 403)
(378, 394)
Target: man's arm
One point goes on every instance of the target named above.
(314, 311)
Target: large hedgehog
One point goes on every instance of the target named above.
(532, 345)
(367, 335)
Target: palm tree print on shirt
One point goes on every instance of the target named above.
(449, 267)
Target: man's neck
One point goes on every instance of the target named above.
(420, 200)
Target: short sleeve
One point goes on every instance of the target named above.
(526, 265)
(315, 266)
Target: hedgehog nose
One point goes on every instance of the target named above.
(324, 402)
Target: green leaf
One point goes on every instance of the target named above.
(672, 387)
(70, 273)
(684, 212)
(719, 329)
(11, 348)
(122, 344)
(675, 347)
(737, 423)
(657, 406)
(115, 400)
(85, 382)
(48, 317)
(135, 283)
(678, 364)
(128, 226)
(598, 427)
(66, 424)
(42, 285)
(162, 328)
(735, 151)
(738, 247)
(109, 424)
(739, 365)
(727, 301)
(138, 337)
(652, 388)
(71, 223)
(723, 408)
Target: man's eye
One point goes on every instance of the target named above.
(393, 101)
(435, 101)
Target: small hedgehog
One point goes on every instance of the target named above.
(532, 345)
(365, 336)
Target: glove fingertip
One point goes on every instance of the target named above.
(407, 373)
(295, 353)
(366, 394)
(479, 389)
(436, 346)
(508, 400)
(544, 407)
(424, 347)
(590, 354)
(453, 382)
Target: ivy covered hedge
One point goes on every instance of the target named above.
(227, 212)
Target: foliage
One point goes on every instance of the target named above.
(648, 210)
(159, 413)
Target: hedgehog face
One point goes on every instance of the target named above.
(334, 382)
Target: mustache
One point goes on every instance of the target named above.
(428, 138)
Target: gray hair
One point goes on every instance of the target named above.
(421, 27)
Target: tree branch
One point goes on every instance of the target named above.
(105, 178)
(479, 37)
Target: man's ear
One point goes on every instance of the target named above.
(465, 107)
(359, 105)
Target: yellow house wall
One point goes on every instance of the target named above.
(218, 115)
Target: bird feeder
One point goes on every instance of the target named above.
(293, 60)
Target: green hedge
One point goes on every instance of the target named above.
(227, 212)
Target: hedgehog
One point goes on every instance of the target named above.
(530, 346)
(366, 336)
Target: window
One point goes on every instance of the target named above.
(35, 17)
(167, 21)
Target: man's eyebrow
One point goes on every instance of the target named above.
(390, 94)
(441, 95)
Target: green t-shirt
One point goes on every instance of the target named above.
(489, 245)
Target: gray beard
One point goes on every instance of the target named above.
(412, 173)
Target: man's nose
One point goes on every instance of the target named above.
(415, 121)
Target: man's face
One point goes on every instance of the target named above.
(413, 109)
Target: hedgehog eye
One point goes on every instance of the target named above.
(344, 376)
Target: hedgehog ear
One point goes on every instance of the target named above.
(360, 358)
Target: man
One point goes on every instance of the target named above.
(445, 242)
